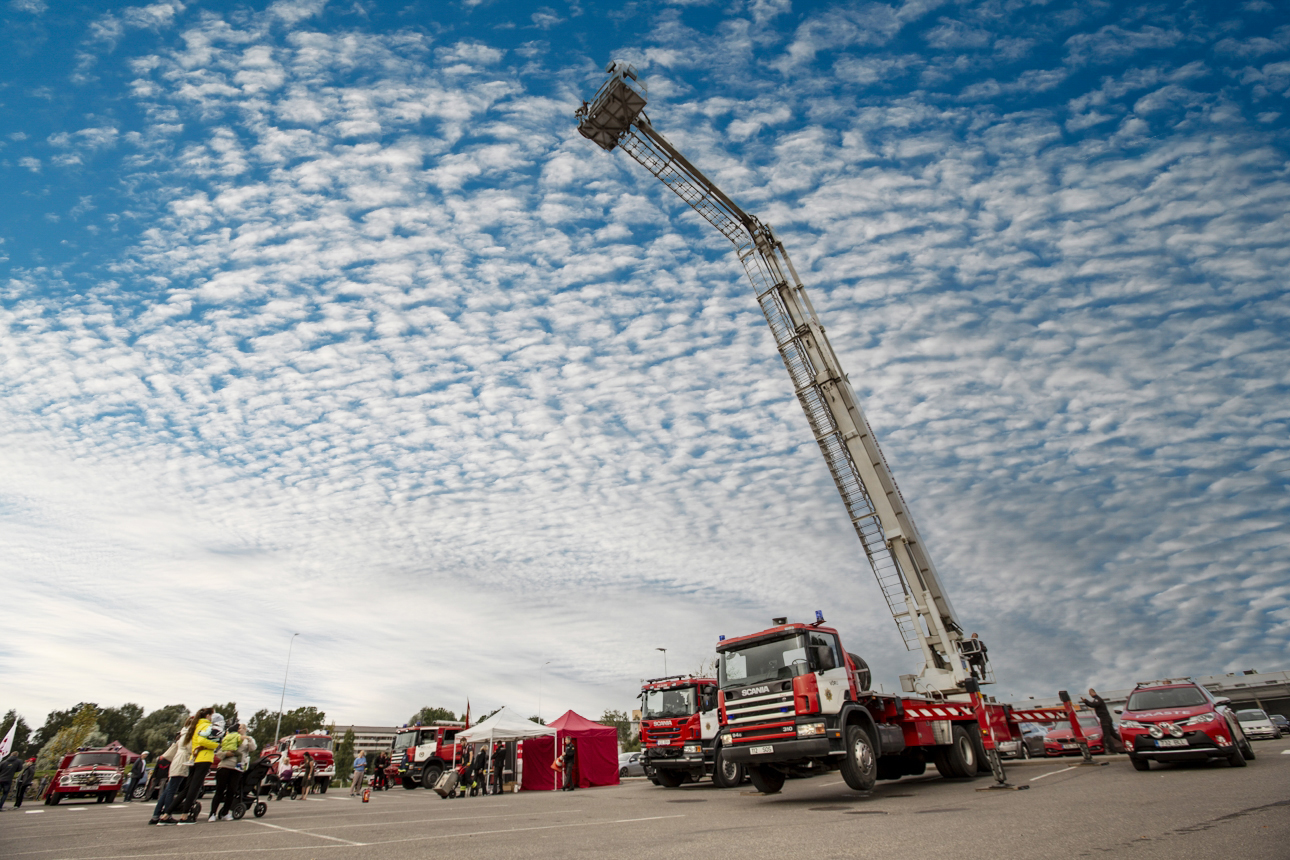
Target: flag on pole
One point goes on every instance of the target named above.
(7, 743)
(468, 712)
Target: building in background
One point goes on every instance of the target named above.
(369, 739)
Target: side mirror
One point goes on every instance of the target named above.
(1118, 710)
(1222, 700)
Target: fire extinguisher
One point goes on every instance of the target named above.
(367, 795)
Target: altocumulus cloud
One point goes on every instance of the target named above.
(388, 355)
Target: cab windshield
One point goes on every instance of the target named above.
(1251, 716)
(87, 759)
(765, 661)
(311, 744)
(1169, 697)
(676, 702)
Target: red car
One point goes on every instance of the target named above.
(1062, 741)
(1178, 720)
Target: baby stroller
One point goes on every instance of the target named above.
(249, 787)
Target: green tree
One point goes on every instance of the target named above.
(627, 738)
(55, 723)
(118, 723)
(83, 731)
(344, 754)
(21, 736)
(156, 731)
(428, 715)
(538, 720)
(295, 722)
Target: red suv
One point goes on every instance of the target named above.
(1178, 720)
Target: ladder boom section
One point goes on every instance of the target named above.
(895, 551)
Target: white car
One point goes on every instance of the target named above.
(629, 764)
(1255, 724)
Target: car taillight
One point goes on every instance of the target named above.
(806, 694)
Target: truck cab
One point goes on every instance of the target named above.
(96, 773)
(316, 745)
(680, 724)
(423, 753)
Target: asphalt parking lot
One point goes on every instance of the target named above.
(1177, 811)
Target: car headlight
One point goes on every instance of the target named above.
(1132, 724)
(692, 749)
(1199, 720)
(810, 730)
(725, 738)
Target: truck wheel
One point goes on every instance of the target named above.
(1139, 763)
(982, 760)
(408, 782)
(766, 779)
(725, 773)
(670, 778)
(958, 760)
(430, 773)
(323, 785)
(54, 799)
(860, 767)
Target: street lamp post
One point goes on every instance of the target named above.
(282, 701)
(540, 668)
(664, 650)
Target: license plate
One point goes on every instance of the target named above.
(664, 743)
(1172, 742)
(1070, 746)
(761, 750)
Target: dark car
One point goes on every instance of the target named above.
(1280, 722)
(1031, 744)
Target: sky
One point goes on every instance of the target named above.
(321, 318)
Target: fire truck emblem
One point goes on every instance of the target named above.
(828, 694)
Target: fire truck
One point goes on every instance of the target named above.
(316, 745)
(96, 773)
(680, 724)
(422, 753)
(792, 700)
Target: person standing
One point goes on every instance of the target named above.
(974, 650)
(1110, 737)
(202, 747)
(306, 776)
(228, 775)
(138, 771)
(570, 760)
(177, 774)
(360, 769)
(25, 779)
(8, 767)
(499, 767)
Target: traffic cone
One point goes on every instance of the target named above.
(367, 795)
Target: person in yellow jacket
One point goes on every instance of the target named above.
(203, 739)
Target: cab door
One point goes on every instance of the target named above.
(833, 682)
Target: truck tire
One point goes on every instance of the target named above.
(1139, 763)
(860, 766)
(982, 760)
(959, 759)
(765, 778)
(430, 773)
(408, 782)
(725, 774)
(669, 778)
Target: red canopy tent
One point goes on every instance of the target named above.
(597, 746)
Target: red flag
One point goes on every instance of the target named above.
(468, 712)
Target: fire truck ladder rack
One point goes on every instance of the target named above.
(892, 545)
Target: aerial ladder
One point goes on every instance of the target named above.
(896, 552)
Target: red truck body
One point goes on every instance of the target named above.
(680, 724)
(294, 748)
(420, 754)
(96, 773)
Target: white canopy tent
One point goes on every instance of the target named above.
(502, 726)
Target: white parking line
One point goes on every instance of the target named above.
(34, 811)
(307, 833)
(1285, 752)
(651, 818)
(1051, 772)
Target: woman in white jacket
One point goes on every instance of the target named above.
(180, 757)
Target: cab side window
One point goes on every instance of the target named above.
(831, 641)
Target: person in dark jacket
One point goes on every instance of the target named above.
(8, 767)
(138, 771)
(25, 779)
(1110, 737)
(570, 759)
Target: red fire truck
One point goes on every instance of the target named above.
(680, 724)
(422, 753)
(96, 773)
(792, 699)
(316, 745)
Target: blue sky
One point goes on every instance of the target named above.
(321, 317)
